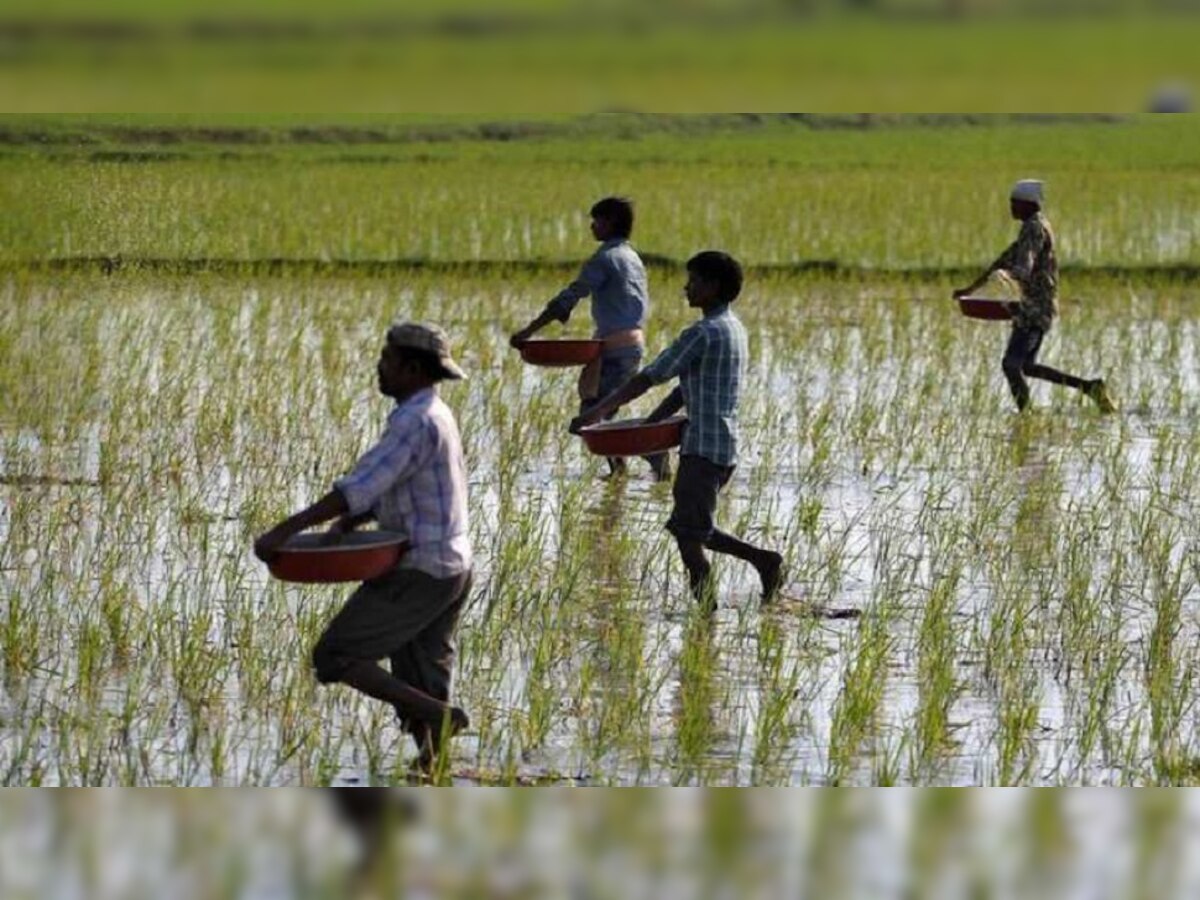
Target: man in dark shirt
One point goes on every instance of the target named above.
(1031, 261)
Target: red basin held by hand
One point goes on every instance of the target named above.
(356, 556)
(569, 352)
(984, 308)
(633, 437)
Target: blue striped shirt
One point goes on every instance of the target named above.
(415, 482)
(616, 280)
(709, 358)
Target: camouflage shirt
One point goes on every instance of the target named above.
(1031, 262)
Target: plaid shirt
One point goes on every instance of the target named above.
(415, 483)
(710, 359)
(1031, 262)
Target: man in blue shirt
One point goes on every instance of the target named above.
(616, 280)
(709, 358)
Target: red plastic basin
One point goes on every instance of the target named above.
(633, 437)
(357, 556)
(569, 352)
(984, 308)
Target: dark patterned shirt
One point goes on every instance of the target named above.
(1031, 262)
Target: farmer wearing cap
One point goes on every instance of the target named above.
(1031, 262)
(616, 280)
(413, 482)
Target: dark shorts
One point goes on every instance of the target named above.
(408, 617)
(697, 484)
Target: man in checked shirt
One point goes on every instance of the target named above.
(709, 359)
(1033, 264)
(412, 481)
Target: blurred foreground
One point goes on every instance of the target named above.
(1091, 844)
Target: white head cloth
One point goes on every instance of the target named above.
(1029, 189)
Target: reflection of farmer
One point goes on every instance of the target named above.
(616, 280)
(413, 482)
(1031, 262)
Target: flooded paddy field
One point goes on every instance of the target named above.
(1027, 585)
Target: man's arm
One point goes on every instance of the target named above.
(1019, 259)
(626, 393)
(1016, 261)
(591, 279)
(394, 458)
(347, 523)
(547, 316)
(333, 504)
(686, 348)
(1003, 261)
(671, 404)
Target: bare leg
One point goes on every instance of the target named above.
(1094, 388)
(425, 663)
(1020, 362)
(1045, 373)
(699, 574)
(660, 465)
(767, 563)
(410, 703)
(1017, 383)
(616, 464)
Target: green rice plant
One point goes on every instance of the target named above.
(697, 693)
(938, 683)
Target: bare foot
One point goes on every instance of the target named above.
(429, 740)
(771, 573)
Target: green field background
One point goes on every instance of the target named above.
(897, 196)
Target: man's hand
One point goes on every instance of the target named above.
(548, 315)
(333, 504)
(671, 404)
(622, 396)
(584, 419)
(339, 527)
(266, 545)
